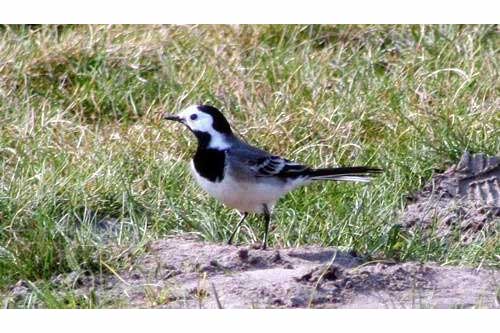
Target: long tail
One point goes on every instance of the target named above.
(353, 174)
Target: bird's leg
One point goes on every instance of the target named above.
(267, 220)
(243, 217)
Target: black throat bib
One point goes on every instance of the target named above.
(208, 162)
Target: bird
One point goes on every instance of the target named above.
(246, 178)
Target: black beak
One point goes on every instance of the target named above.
(173, 118)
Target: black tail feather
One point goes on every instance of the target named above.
(357, 173)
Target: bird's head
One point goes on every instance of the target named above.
(206, 122)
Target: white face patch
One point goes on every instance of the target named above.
(200, 121)
(196, 120)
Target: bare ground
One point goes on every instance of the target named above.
(193, 274)
(463, 201)
(183, 272)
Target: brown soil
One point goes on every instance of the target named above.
(463, 201)
(183, 272)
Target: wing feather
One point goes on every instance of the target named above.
(262, 164)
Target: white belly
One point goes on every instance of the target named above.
(244, 196)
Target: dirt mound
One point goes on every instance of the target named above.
(183, 272)
(463, 201)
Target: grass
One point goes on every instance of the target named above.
(81, 143)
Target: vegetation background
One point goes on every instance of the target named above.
(90, 175)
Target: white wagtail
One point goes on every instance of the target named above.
(244, 177)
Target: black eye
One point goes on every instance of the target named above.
(194, 116)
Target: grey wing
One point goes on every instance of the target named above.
(253, 162)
